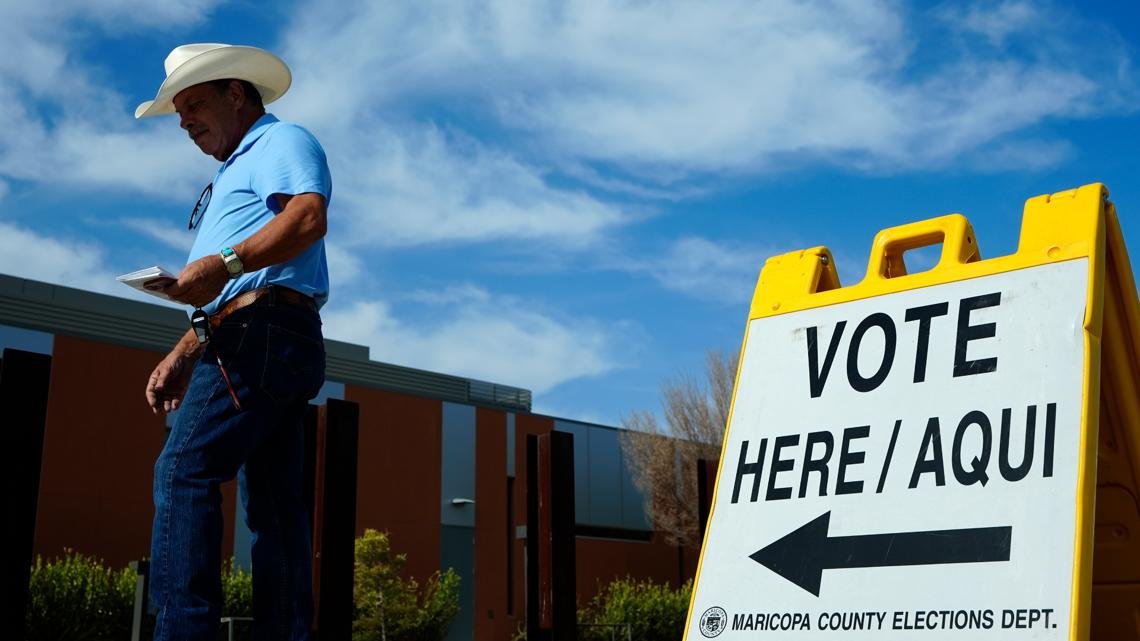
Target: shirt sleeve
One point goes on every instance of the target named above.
(292, 163)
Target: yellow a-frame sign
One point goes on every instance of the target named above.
(937, 455)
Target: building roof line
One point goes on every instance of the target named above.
(57, 309)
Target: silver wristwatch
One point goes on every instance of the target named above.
(233, 263)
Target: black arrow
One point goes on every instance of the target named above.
(802, 555)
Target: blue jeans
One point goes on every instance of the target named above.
(275, 357)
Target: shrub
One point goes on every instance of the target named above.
(237, 598)
(655, 612)
(389, 607)
(78, 599)
(237, 591)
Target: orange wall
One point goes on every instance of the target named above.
(491, 619)
(398, 482)
(525, 424)
(100, 443)
(600, 561)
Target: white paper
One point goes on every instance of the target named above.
(141, 278)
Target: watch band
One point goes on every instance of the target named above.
(233, 263)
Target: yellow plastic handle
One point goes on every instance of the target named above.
(954, 232)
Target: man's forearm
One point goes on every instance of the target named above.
(301, 223)
(188, 346)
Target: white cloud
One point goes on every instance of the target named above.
(498, 340)
(26, 254)
(155, 158)
(1000, 99)
(580, 414)
(1030, 154)
(60, 261)
(699, 267)
(459, 293)
(457, 123)
(417, 185)
(63, 126)
(668, 89)
(114, 16)
(178, 238)
(994, 21)
(344, 267)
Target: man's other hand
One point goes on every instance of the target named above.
(168, 382)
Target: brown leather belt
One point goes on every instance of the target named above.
(271, 295)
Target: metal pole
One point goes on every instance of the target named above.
(142, 570)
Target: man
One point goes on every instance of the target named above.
(240, 383)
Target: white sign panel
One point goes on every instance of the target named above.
(904, 467)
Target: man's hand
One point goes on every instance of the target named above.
(168, 382)
(200, 282)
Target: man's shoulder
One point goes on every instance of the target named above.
(286, 126)
(290, 134)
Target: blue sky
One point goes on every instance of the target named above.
(573, 197)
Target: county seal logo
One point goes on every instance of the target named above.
(713, 622)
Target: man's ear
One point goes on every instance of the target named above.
(236, 94)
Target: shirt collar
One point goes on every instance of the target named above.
(255, 132)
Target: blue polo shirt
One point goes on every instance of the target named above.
(274, 157)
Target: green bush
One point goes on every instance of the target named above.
(387, 606)
(76, 598)
(237, 591)
(237, 598)
(654, 612)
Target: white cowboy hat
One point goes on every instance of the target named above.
(189, 65)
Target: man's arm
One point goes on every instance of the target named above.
(168, 382)
(303, 220)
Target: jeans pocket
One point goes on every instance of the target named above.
(229, 337)
(294, 365)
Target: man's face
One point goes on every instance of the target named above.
(211, 118)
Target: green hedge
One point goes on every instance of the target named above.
(77, 598)
(237, 598)
(654, 612)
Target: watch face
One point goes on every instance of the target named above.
(233, 263)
